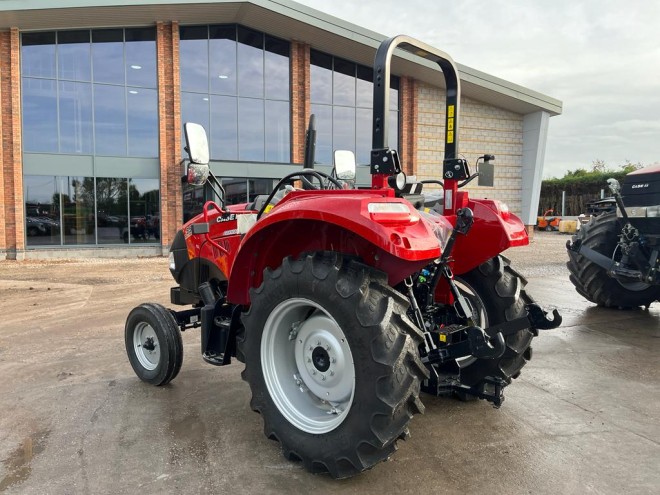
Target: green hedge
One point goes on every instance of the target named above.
(581, 188)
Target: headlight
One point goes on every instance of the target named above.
(172, 263)
(392, 213)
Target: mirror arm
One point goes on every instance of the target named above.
(468, 180)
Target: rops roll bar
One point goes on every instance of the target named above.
(384, 162)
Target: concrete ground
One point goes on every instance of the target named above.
(584, 417)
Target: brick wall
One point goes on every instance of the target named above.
(483, 129)
(301, 106)
(408, 116)
(12, 218)
(169, 118)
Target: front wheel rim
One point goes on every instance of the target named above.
(146, 346)
(307, 366)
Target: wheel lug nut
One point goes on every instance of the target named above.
(333, 360)
(313, 372)
(332, 373)
(311, 348)
(309, 360)
(323, 377)
(327, 347)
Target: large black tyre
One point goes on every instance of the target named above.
(497, 294)
(592, 282)
(153, 343)
(338, 310)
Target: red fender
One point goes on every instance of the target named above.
(397, 243)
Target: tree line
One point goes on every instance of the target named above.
(582, 186)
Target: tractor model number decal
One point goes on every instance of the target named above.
(450, 124)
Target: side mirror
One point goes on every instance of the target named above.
(486, 171)
(196, 143)
(344, 161)
(197, 146)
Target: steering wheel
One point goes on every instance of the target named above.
(324, 180)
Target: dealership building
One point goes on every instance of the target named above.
(94, 96)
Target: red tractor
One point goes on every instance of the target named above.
(345, 303)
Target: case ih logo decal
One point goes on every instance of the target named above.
(229, 218)
(639, 186)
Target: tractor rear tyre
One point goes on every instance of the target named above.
(153, 344)
(332, 362)
(592, 282)
(497, 295)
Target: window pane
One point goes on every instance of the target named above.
(365, 87)
(343, 84)
(73, 55)
(39, 115)
(108, 56)
(394, 93)
(277, 132)
(42, 210)
(75, 117)
(144, 209)
(363, 136)
(38, 54)
(251, 130)
(250, 63)
(343, 123)
(222, 46)
(236, 191)
(112, 210)
(141, 64)
(194, 60)
(393, 130)
(142, 122)
(193, 201)
(259, 186)
(110, 120)
(321, 78)
(224, 128)
(78, 210)
(194, 108)
(277, 69)
(323, 115)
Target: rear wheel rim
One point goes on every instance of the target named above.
(479, 313)
(307, 366)
(146, 346)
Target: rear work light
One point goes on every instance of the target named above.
(392, 213)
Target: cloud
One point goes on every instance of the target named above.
(600, 57)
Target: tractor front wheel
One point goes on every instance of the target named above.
(332, 362)
(153, 343)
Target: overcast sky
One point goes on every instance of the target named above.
(601, 58)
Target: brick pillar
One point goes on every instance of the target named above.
(12, 218)
(169, 118)
(301, 106)
(407, 125)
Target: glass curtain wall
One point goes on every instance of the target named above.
(64, 210)
(92, 93)
(235, 82)
(342, 100)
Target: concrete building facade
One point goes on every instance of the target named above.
(94, 96)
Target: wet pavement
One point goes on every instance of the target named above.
(584, 417)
